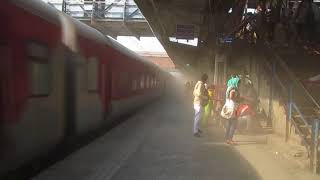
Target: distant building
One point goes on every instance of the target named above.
(159, 58)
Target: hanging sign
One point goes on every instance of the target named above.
(184, 31)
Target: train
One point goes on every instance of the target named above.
(60, 78)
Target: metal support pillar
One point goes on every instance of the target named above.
(124, 18)
(259, 79)
(269, 123)
(289, 115)
(102, 7)
(94, 8)
(315, 152)
(64, 6)
(250, 62)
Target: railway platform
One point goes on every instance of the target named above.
(157, 143)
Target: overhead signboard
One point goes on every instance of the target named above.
(226, 40)
(223, 40)
(184, 31)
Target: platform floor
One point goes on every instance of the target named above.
(157, 143)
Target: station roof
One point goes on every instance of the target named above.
(186, 19)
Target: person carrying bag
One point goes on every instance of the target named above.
(230, 108)
(200, 101)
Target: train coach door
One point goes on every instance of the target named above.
(84, 94)
(3, 60)
(69, 94)
(3, 108)
(106, 76)
(4, 67)
(69, 40)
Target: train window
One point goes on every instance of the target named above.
(39, 69)
(154, 82)
(92, 70)
(151, 82)
(142, 82)
(134, 84)
(147, 82)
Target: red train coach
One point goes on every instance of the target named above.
(60, 78)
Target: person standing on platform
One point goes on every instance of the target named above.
(232, 101)
(200, 101)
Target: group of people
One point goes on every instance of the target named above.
(202, 98)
